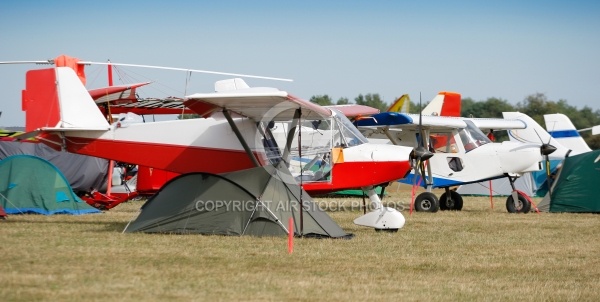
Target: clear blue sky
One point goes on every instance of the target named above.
(505, 49)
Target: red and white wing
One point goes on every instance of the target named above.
(116, 94)
(256, 103)
(352, 110)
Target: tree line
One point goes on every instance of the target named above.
(534, 105)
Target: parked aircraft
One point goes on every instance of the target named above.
(458, 152)
(234, 134)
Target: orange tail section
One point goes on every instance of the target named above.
(451, 106)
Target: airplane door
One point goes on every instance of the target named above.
(447, 160)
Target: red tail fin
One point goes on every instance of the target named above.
(451, 106)
(40, 99)
(56, 98)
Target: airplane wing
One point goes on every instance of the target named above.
(116, 94)
(497, 123)
(255, 103)
(411, 121)
(352, 110)
(151, 106)
(123, 99)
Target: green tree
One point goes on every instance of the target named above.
(342, 101)
(323, 100)
(372, 100)
(536, 105)
(490, 108)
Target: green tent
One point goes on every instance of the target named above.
(576, 186)
(32, 185)
(257, 201)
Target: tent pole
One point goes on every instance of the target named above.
(240, 137)
(299, 114)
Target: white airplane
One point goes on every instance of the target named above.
(529, 183)
(234, 134)
(568, 142)
(458, 153)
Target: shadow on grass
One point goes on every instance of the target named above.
(105, 226)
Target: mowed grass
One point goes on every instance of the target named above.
(478, 254)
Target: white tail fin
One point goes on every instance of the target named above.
(55, 99)
(562, 129)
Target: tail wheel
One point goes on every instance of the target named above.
(521, 206)
(454, 203)
(427, 202)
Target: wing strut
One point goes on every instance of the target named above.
(290, 136)
(240, 137)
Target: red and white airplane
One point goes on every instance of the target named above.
(234, 133)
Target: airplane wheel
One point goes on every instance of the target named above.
(427, 202)
(386, 230)
(522, 206)
(455, 202)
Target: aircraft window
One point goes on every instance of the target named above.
(349, 136)
(472, 137)
(317, 169)
(455, 164)
(442, 142)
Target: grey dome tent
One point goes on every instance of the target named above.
(32, 185)
(257, 201)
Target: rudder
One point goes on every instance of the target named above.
(56, 98)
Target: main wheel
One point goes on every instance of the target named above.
(427, 202)
(386, 230)
(522, 206)
(455, 202)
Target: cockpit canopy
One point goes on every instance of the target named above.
(472, 137)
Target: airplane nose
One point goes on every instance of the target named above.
(519, 158)
(370, 152)
(390, 153)
(547, 149)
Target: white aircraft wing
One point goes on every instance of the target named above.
(497, 123)
(256, 103)
(411, 121)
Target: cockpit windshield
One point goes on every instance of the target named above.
(472, 137)
(349, 136)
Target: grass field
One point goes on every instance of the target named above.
(477, 254)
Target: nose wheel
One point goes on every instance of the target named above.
(517, 202)
(520, 204)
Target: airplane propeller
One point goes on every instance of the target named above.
(546, 149)
(420, 155)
